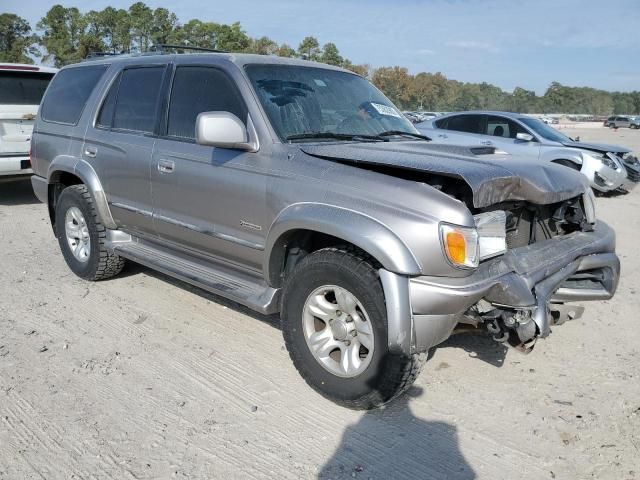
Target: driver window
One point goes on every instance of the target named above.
(503, 127)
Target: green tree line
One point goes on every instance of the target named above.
(66, 35)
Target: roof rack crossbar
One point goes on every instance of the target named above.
(102, 54)
(163, 46)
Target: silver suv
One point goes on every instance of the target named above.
(622, 121)
(295, 187)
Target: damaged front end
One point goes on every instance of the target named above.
(534, 247)
(519, 295)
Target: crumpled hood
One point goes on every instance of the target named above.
(492, 178)
(598, 147)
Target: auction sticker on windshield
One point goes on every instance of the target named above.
(385, 110)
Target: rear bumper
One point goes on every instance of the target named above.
(576, 267)
(40, 187)
(15, 165)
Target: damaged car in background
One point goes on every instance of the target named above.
(299, 188)
(607, 167)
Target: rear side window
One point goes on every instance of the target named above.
(200, 89)
(69, 92)
(136, 104)
(23, 88)
(466, 123)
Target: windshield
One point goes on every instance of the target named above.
(544, 130)
(22, 88)
(311, 102)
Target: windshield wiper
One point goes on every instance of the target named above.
(390, 133)
(336, 136)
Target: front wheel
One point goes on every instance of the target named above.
(334, 324)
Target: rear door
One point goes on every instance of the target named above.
(464, 129)
(622, 122)
(21, 90)
(120, 142)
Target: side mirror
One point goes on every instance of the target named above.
(577, 139)
(524, 137)
(222, 129)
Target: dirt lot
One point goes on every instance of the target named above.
(146, 377)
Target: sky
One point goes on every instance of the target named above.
(507, 43)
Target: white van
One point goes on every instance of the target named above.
(21, 89)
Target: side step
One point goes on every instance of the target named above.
(240, 287)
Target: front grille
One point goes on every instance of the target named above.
(527, 224)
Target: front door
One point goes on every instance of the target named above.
(210, 200)
(500, 132)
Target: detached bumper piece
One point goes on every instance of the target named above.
(633, 175)
(521, 294)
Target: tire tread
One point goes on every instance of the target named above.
(109, 264)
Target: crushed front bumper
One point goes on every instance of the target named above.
(633, 175)
(576, 267)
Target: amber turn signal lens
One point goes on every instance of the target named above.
(457, 247)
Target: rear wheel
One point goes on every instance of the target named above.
(81, 236)
(335, 327)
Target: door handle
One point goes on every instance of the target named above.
(91, 152)
(166, 166)
(442, 135)
(486, 142)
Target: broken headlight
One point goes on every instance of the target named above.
(604, 158)
(492, 233)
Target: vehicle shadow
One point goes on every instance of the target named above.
(480, 345)
(17, 192)
(134, 268)
(611, 194)
(393, 443)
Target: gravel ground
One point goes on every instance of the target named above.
(143, 376)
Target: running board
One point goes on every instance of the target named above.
(248, 290)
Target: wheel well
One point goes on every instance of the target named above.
(567, 163)
(294, 245)
(59, 181)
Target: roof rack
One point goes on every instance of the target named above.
(158, 49)
(102, 54)
(161, 47)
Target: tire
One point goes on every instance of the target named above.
(385, 376)
(95, 262)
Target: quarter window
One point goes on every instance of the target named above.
(69, 92)
(137, 103)
(200, 89)
(105, 118)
